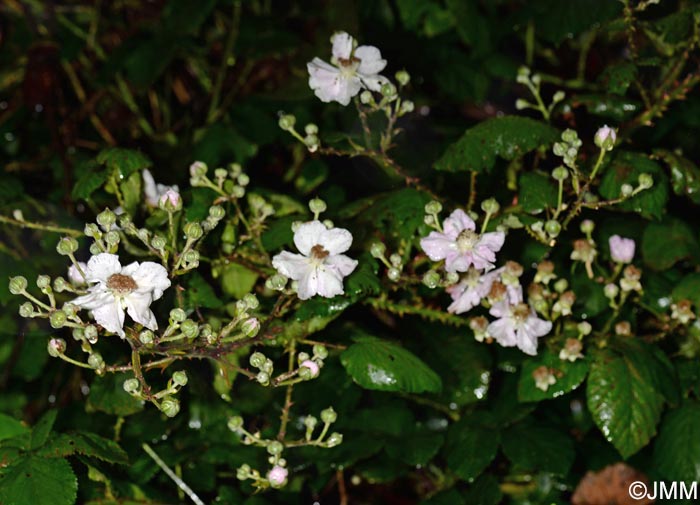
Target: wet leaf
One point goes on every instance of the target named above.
(470, 448)
(667, 242)
(531, 446)
(569, 376)
(38, 481)
(677, 450)
(685, 175)
(537, 192)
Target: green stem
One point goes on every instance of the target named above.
(180, 483)
(40, 226)
(598, 162)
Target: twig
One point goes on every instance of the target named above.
(40, 226)
(180, 483)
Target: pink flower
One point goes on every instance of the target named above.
(468, 293)
(621, 249)
(311, 365)
(517, 324)
(460, 246)
(605, 138)
(170, 198)
(277, 477)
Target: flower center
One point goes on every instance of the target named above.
(318, 252)
(521, 312)
(348, 66)
(466, 240)
(121, 284)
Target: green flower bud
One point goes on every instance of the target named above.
(569, 136)
(70, 309)
(311, 129)
(238, 191)
(388, 90)
(287, 122)
(558, 96)
(277, 282)
(395, 259)
(146, 337)
(377, 249)
(91, 230)
(57, 319)
(170, 406)
(587, 226)
(78, 334)
(43, 281)
(317, 206)
(552, 227)
(217, 212)
(235, 423)
(312, 143)
(605, 138)
(191, 258)
(328, 415)
(95, 360)
(111, 238)
(106, 219)
(189, 328)
(320, 351)
(193, 230)
(366, 97)
(560, 173)
(90, 333)
(220, 173)
(56, 347)
(178, 315)
(274, 448)
(490, 206)
(67, 246)
(251, 301)
(584, 328)
(124, 220)
(334, 439)
(626, 190)
(521, 104)
(158, 242)
(407, 106)
(250, 327)
(26, 309)
(645, 181)
(402, 77)
(198, 169)
(611, 290)
(18, 285)
(263, 378)
(243, 472)
(59, 284)
(310, 422)
(131, 385)
(143, 234)
(394, 274)
(180, 378)
(431, 279)
(241, 308)
(561, 285)
(433, 207)
(257, 360)
(452, 278)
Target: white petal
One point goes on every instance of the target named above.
(468, 300)
(342, 45)
(137, 305)
(371, 61)
(527, 342)
(319, 281)
(373, 82)
(74, 275)
(150, 190)
(335, 240)
(308, 235)
(342, 264)
(294, 266)
(102, 266)
(504, 333)
(150, 276)
(458, 222)
(96, 298)
(437, 245)
(111, 317)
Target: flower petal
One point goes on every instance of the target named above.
(437, 245)
(335, 240)
(96, 298)
(493, 240)
(320, 281)
(502, 330)
(457, 262)
(308, 235)
(373, 82)
(342, 45)
(151, 277)
(329, 84)
(527, 342)
(137, 305)
(342, 264)
(468, 300)
(150, 190)
(371, 61)
(111, 317)
(102, 266)
(294, 266)
(458, 222)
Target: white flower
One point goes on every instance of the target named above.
(621, 249)
(517, 324)
(351, 71)
(74, 275)
(153, 192)
(571, 350)
(116, 288)
(468, 293)
(321, 266)
(543, 378)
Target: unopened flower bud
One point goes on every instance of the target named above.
(605, 138)
(178, 315)
(377, 249)
(308, 369)
(328, 415)
(560, 173)
(18, 285)
(59, 284)
(57, 319)
(170, 201)
(312, 143)
(311, 129)
(433, 207)
(189, 328)
(561, 285)
(395, 259)
(198, 169)
(43, 281)
(626, 190)
(277, 282)
(238, 191)
(131, 385)
(287, 122)
(431, 279)
(320, 351)
(366, 97)
(402, 77)
(584, 328)
(106, 219)
(170, 406)
(26, 309)
(552, 227)
(645, 181)
(310, 422)
(490, 206)
(217, 212)
(558, 96)
(235, 423)
(250, 327)
(394, 274)
(158, 242)
(56, 347)
(623, 328)
(587, 226)
(263, 378)
(257, 359)
(274, 448)
(317, 206)
(180, 378)
(146, 337)
(611, 290)
(277, 477)
(388, 90)
(111, 238)
(334, 439)
(193, 230)
(67, 246)
(521, 104)
(95, 360)
(407, 106)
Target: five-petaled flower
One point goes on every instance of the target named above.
(469, 292)
(461, 246)
(321, 266)
(115, 288)
(352, 69)
(621, 249)
(517, 325)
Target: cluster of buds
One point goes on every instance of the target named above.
(164, 399)
(533, 82)
(394, 263)
(308, 367)
(229, 183)
(568, 147)
(551, 299)
(287, 122)
(244, 324)
(276, 476)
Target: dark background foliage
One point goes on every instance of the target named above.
(186, 80)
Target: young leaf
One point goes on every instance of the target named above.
(127, 161)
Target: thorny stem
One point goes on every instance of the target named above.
(180, 483)
(40, 226)
(288, 395)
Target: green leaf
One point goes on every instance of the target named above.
(130, 190)
(508, 137)
(626, 169)
(86, 444)
(624, 404)
(38, 481)
(364, 280)
(107, 395)
(533, 447)
(42, 429)
(556, 20)
(89, 182)
(11, 427)
(677, 449)
(199, 293)
(685, 175)
(470, 448)
(378, 364)
(688, 289)
(126, 161)
(537, 192)
(486, 490)
(237, 280)
(618, 77)
(185, 16)
(279, 233)
(569, 376)
(666, 243)
(415, 449)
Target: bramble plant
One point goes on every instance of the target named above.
(288, 301)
